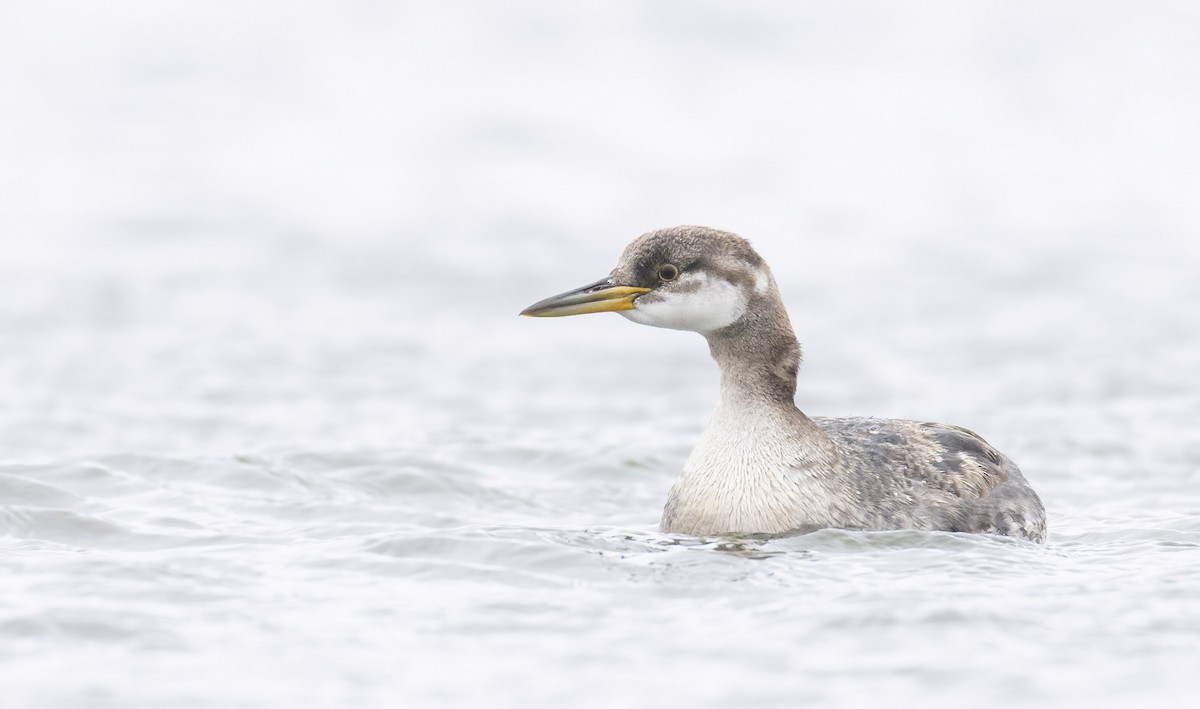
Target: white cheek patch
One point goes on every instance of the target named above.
(712, 305)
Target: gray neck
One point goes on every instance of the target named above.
(759, 355)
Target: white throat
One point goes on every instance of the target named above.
(695, 302)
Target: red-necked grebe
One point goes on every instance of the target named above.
(762, 466)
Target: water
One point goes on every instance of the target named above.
(272, 435)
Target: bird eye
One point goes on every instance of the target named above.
(668, 272)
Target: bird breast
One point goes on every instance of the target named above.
(750, 472)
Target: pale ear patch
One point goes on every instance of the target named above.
(697, 303)
(762, 281)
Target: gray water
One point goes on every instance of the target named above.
(271, 433)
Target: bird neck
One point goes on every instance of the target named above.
(758, 355)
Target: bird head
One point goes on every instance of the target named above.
(682, 278)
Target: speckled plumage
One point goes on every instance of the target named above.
(762, 466)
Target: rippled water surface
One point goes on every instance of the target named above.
(271, 433)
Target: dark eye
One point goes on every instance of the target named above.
(668, 272)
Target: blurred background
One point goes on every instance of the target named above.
(265, 231)
(344, 197)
